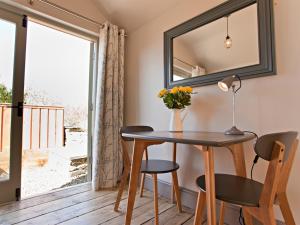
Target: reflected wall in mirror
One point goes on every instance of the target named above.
(234, 38)
(203, 51)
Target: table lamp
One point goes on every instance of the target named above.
(225, 85)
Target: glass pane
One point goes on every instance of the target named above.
(7, 50)
(55, 110)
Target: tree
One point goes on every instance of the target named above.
(38, 97)
(76, 117)
(5, 94)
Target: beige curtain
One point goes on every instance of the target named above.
(108, 117)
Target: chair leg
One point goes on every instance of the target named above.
(173, 197)
(285, 209)
(155, 192)
(222, 213)
(177, 191)
(142, 184)
(122, 185)
(268, 216)
(200, 208)
(247, 217)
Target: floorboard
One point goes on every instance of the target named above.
(37, 200)
(172, 217)
(80, 205)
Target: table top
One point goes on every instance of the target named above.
(214, 139)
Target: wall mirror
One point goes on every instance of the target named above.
(234, 38)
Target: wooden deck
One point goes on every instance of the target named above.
(81, 206)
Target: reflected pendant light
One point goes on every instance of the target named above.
(228, 40)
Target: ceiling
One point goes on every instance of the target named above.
(131, 14)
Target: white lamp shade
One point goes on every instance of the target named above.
(223, 86)
(226, 83)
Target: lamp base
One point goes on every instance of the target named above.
(234, 131)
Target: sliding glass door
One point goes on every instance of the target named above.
(12, 61)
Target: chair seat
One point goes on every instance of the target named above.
(234, 189)
(158, 166)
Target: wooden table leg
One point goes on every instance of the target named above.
(222, 213)
(238, 154)
(210, 185)
(239, 159)
(177, 191)
(139, 147)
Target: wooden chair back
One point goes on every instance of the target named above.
(286, 168)
(276, 149)
(264, 145)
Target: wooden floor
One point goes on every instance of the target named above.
(80, 205)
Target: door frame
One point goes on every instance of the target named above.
(65, 27)
(10, 189)
(92, 76)
(92, 93)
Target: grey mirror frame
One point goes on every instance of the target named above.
(267, 65)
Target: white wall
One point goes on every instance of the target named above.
(265, 105)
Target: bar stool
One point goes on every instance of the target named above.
(149, 166)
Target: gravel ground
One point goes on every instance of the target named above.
(56, 172)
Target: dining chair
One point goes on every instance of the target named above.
(257, 199)
(148, 166)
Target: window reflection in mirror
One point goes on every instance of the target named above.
(204, 51)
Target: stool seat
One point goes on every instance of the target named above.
(158, 166)
(234, 189)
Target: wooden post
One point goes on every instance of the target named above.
(2, 116)
(30, 136)
(48, 112)
(63, 127)
(55, 125)
(40, 126)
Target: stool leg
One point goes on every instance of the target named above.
(123, 182)
(173, 197)
(177, 191)
(155, 192)
(142, 184)
(200, 208)
(222, 212)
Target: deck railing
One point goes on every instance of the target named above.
(43, 127)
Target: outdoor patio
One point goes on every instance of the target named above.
(54, 168)
(53, 156)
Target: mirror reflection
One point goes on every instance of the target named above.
(227, 43)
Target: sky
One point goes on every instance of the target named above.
(57, 63)
(7, 46)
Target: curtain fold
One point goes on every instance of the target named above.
(108, 115)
